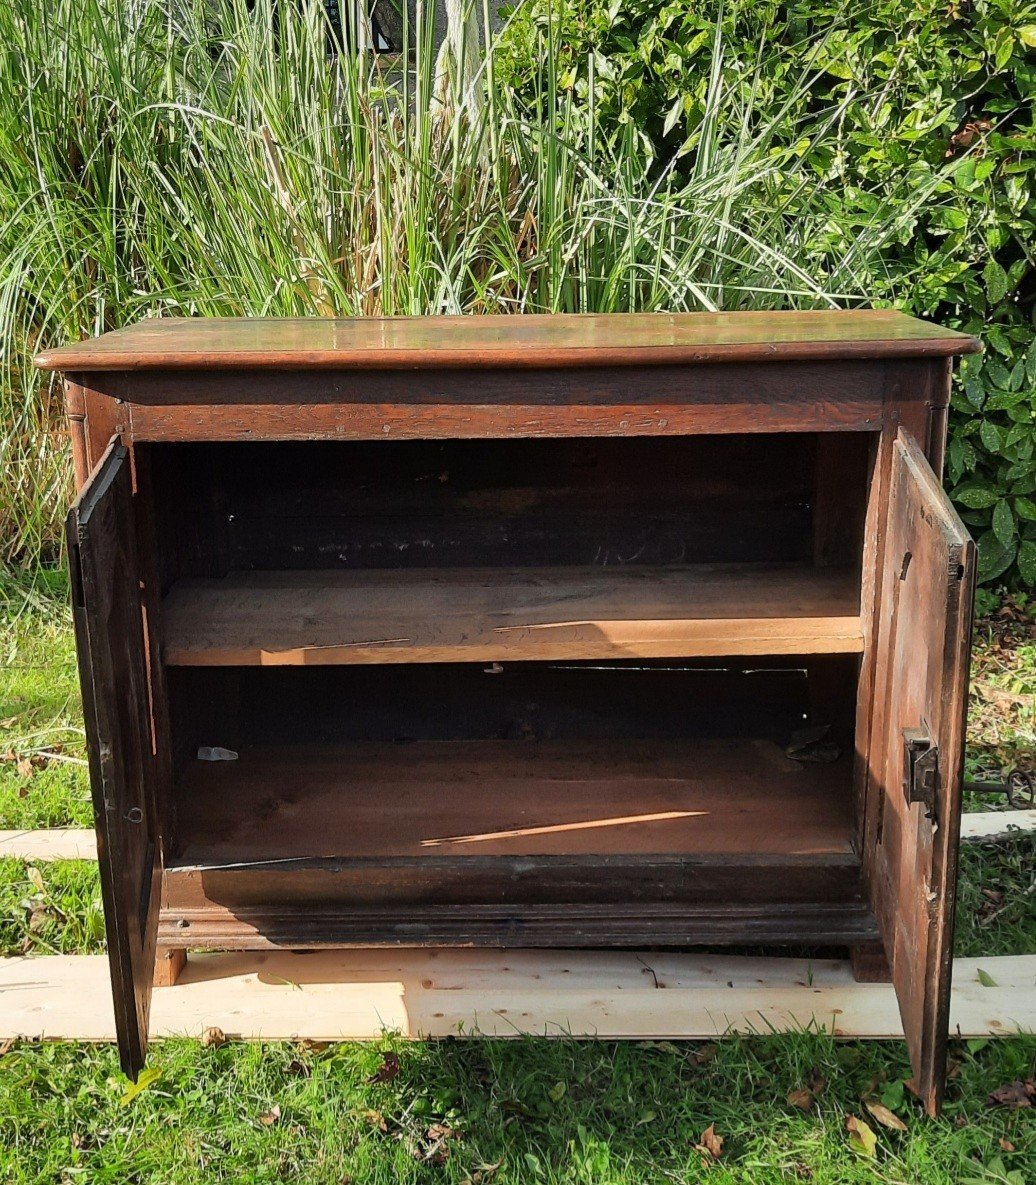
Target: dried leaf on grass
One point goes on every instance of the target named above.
(886, 1117)
(862, 1139)
(269, 1118)
(711, 1144)
(1014, 1095)
(213, 1037)
(434, 1146)
(388, 1069)
(802, 1098)
(376, 1119)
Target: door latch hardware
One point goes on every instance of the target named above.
(922, 768)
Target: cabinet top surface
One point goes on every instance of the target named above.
(530, 340)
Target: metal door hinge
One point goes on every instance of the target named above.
(922, 768)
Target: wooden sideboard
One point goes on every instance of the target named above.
(523, 631)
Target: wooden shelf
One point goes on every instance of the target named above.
(466, 799)
(489, 614)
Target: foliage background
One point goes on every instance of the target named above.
(917, 84)
(220, 157)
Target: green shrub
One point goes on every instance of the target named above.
(896, 90)
(212, 157)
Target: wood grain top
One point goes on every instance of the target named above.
(531, 340)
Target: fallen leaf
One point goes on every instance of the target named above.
(816, 1081)
(711, 1143)
(886, 1117)
(388, 1069)
(802, 1098)
(146, 1078)
(434, 1148)
(25, 768)
(1006, 1145)
(1014, 1095)
(213, 1037)
(36, 879)
(313, 1046)
(481, 1173)
(38, 916)
(376, 1119)
(862, 1139)
(985, 978)
(269, 1118)
(298, 1068)
(704, 1054)
(6, 1046)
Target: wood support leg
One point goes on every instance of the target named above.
(869, 964)
(169, 962)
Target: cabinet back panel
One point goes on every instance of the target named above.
(513, 503)
(771, 698)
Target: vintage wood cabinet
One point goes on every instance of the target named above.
(543, 631)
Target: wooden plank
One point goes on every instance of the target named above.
(55, 843)
(247, 421)
(987, 826)
(358, 994)
(486, 615)
(625, 339)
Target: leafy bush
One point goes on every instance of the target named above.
(224, 157)
(897, 90)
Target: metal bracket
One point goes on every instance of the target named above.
(922, 768)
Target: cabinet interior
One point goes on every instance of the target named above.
(514, 670)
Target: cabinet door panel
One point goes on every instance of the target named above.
(114, 674)
(927, 594)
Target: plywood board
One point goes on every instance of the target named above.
(54, 843)
(356, 995)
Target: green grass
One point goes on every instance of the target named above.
(43, 777)
(50, 908)
(996, 898)
(495, 1111)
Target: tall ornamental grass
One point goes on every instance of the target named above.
(209, 157)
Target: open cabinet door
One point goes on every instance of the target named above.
(926, 600)
(114, 673)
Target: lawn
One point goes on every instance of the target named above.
(484, 1111)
